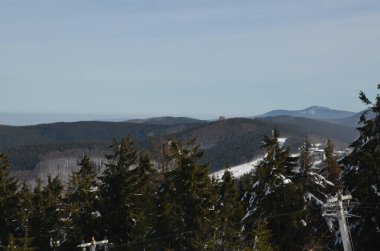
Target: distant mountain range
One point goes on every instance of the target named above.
(166, 121)
(24, 119)
(313, 112)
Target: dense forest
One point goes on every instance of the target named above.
(179, 206)
(225, 142)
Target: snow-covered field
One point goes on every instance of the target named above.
(239, 170)
(242, 169)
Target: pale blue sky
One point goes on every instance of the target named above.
(186, 57)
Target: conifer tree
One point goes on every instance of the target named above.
(315, 189)
(263, 237)
(82, 204)
(185, 201)
(23, 238)
(361, 178)
(142, 191)
(48, 220)
(37, 215)
(228, 213)
(275, 194)
(8, 201)
(332, 167)
(118, 192)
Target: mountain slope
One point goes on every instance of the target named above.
(313, 112)
(236, 141)
(353, 121)
(226, 142)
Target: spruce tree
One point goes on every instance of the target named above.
(274, 194)
(228, 213)
(82, 204)
(49, 219)
(315, 189)
(8, 201)
(263, 237)
(37, 216)
(142, 199)
(118, 192)
(361, 178)
(23, 237)
(185, 201)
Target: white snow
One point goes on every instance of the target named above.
(238, 171)
(311, 196)
(284, 179)
(374, 187)
(282, 141)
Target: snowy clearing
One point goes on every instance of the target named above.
(239, 170)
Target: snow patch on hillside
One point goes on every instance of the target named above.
(239, 170)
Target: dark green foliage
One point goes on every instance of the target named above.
(263, 237)
(48, 215)
(117, 191)
(315, 189)
(126, 193)
(228, 212)
(23, 239)
(185, 201)
(142, 199)
(274, 194)
(8, 201)
(82, 204)
(361, 178)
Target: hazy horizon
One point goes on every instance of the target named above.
(25, 119)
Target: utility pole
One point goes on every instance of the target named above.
(335, 208)
(93, 244)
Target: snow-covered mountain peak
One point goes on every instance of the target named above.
(313, 112)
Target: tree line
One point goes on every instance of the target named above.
(177, 205)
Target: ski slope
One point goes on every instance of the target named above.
(239, 170)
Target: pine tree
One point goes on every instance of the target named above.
(273, 195)
(8, 201)
(185, 201)
(361, 178)
(82, 204)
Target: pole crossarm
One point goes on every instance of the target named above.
(334, 208)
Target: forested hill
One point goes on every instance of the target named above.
(79, 132)
(236, 141)
(226, 142)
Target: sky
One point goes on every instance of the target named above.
(203, 59)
